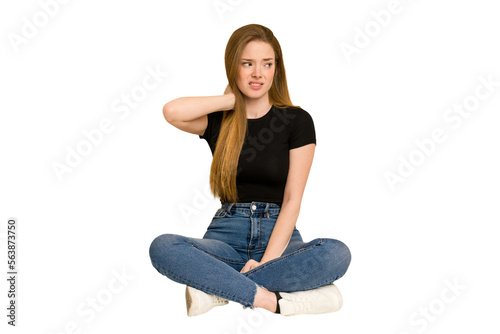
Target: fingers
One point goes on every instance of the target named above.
(251, 264)
(246, 267)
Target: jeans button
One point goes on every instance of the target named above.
(254, 207)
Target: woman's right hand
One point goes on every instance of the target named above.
(229, 97)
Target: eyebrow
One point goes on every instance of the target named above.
(265, 59)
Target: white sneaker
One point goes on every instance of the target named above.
(324, 299)
(199, 302)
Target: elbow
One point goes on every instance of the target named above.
(168, 112)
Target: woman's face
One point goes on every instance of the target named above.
(256, 70)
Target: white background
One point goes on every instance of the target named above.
(437, 226)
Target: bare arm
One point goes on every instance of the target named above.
(300, 164)
(190, 113)
(301, 159)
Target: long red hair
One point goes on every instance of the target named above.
(234, 122)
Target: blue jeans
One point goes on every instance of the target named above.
(239, 232)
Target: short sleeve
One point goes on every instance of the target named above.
(214, 121)
(302, 130)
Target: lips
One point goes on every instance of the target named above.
(255, 83)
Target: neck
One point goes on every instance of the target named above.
(257, 108)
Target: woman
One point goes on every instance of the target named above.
(262, 148)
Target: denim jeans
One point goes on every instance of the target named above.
(239, 232)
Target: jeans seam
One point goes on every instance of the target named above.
(216, 256)
(278, 259)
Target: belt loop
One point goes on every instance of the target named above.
(267, 207)
(229, 206)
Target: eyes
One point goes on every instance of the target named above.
(249, 64)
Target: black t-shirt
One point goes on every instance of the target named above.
(264, 159)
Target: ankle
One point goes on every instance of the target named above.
(278, 297)
(265, 299)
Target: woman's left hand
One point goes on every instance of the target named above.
(251, 264)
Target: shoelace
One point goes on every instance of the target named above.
(302, 304)
(218, 300)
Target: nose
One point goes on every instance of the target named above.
(257, 72)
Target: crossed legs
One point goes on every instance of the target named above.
(213, 266)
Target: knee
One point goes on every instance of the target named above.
(161, 246)
(339, 255)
